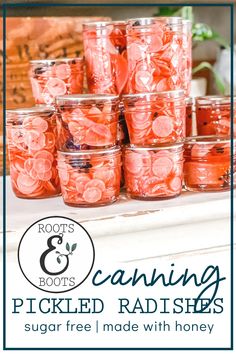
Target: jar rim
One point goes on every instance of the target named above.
(206, 139)
(96, 23)
(154, 147)
(50, 61)
(176, 20)
(216, 99)
(85, 97)
(189, 100)
(31, 110)
(173, 93)
(101, 151)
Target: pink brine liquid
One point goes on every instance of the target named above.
(31, 135)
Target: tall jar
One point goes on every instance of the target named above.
(207, 163)
(87, 121)
(153, 172)
(90, 178)
(155, 54)
(31, 136)
(187, 56)
(155, 118)
(52, 77)
(105, 56)
(213, 115)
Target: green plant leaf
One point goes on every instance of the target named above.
(67, 247)
(217, 38)
(58, 260)
(167, 11)
(73, 247)
(219, 82)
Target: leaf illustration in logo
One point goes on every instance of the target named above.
(67, 247)
(73, 247)
(57, 252)
(58, 260)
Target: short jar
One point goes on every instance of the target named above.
(155, 118)
(105, 56)
(213, 115)
(52, 77)
(153, 172)
(31, 136)
(207, 163)
(87, 121)
(155, 54)
(90, 178)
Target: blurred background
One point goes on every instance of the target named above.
(53, 31)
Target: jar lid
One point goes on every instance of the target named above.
(111, 150)
(174, 93)
(31, 110)
(154, 147)
(58, 60)
(207, 139)
(85, 98)
(202, 100)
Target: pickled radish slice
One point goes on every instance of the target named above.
(175, 184)
(63, 71)
(44, 154)
(45, 176)
(136, 50)
(56, 87)
(98, 135)
(64, 176)
(121, 69)
(154, 43)
(162, 126)
(94, 111)
(162, 85)
(81, 182)
(33, 174)
(42, 165)
(26, 184)
(28, 164)
(143, 80)
(39, 124)
(34, 139)
(133, 163)
(17, 136)
(19, 163)
(96, 183)
(162, 167)
(92, 195)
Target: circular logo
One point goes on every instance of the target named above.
(56, 254)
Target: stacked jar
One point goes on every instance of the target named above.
(208, 155)
(154, 108)
(89, 162)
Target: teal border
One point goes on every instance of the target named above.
(4, 11)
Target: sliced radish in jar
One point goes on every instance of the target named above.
(162, 126)
(92, 195)
(162, 167)
(56, 87)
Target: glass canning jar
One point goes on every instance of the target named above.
(31, 136)
(105, 56)
(52, 77)
(87, 121)
(90, 178)
(155, 54)
(207, 163)
(153, 172)
(155, 118)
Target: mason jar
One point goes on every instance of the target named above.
(87, 121)
(31, 136)
(213, 115)
(155, 54)
(105, 56)
(52, 77)
(207, 163)
(155, 118)
(153, 172)
(91, 177)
